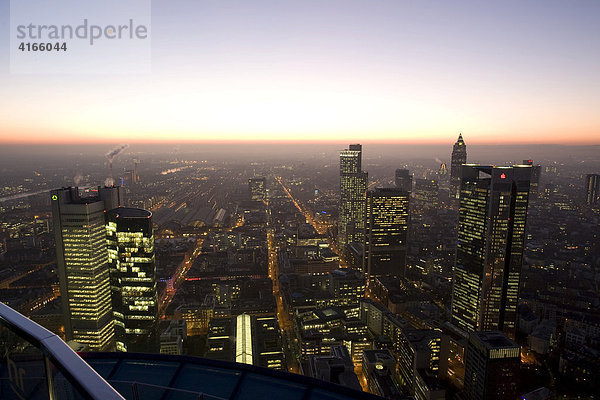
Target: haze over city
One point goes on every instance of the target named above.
(390, 71)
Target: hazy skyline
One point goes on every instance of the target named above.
(385, 71)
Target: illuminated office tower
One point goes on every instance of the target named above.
(491, 367)
(592, 189)
(459, 157)
(386, 227)
(404, 180)
(133, 277)
(353, 185)
(426, 193)
(257, 188)
(83, 270)
(489, 255)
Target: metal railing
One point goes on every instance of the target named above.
(59, 369)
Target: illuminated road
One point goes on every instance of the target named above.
(179, 277)
(307, 214)
(321, 229)
(285, 322)
(33, 268)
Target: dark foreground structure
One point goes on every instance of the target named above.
(37, 364)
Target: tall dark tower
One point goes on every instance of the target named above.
(489, 255)
(130, 239)
(459, 157)
(353, 185)
(404, 180)
(386, 227)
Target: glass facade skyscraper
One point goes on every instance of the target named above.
(386, 227)
(79, 228)
(353, 186)
(592, 189)
(133, 277)
(489, 256)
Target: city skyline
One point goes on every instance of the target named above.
(301, 200)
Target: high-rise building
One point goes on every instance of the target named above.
(404, 180)
(353, 185)
(426, 193)
(83, 269)
(386, 228)
(489, 256)
(536, 173)
(257, 188)
(592, 189)
(491, 367)
(130, 241)
(459, 157)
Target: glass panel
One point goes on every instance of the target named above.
(257, 387)
(153, 378)
(318, 394)
(22, 368)
(102, 367)
(63, 389)
(208, 380)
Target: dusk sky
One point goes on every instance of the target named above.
(344, 70)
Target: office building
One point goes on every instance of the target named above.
(418, 350)
(404, 180)
(130, 241)
(459, 157)
(247, 339)
(592, 189)
(83, 268)
(171, 339)
(536, 173)
(353, 185)
(491, 367)
(258, 188)
(336, 368)
(491, 231)
(379, 369)
(386, 227)
(426, 193)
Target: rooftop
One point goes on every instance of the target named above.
(126, 212)
(161, 376)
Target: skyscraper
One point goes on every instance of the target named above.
(536, 173)
(459, 157)
(257, 188)
(353, 185)
(133, 277)
(404, 180)
(386, 227)
(491, 367)
(83, 270)
(592, 189)
(489, 256)
(426, 193)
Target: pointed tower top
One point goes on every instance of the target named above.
(460, 140)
